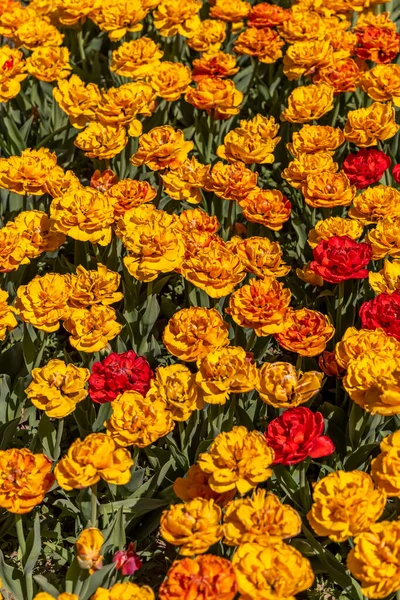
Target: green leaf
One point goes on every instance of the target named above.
(98, 579)
(33, 547)
(46, 586)
(47, 435)
(28, 347)
(7, 432)
(12, 579)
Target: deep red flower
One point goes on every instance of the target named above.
(396, 173)
(379, 44)
(366, 167)
(118, 373)
(127, 561)
(297, 434)
(327, 363)
(341, 258)
(382, 312)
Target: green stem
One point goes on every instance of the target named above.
(252, 79)
(22, 545)
(93, 505)
(228, 222)
(210, 136)
(336, 111)
(251, 341)
(81, 47)
(57, 449)
(339, 310)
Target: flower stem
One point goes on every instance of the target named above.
(339, 309)
(57, 448)
(22, 544)
(251, 341)
(93, 505)
(210, 136)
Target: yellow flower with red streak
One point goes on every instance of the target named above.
(297, 171)
(366, 126)
(343, 42)
(315, 138)
(83, 214)
(206, 576)
(343, 75)
(57, 388)
(137, 420)
(282, 571)
(195, 485)
(225, 371)
(194, 526)
(356, 343)
(127, 591)
(88, 549)
(308, 103)
(233, 181)
(12, 15)
(238, 459)
(92, 328)
(328, 189)
(37, 32)
(385, 238)
(170, 80)
(136, 59)
(43, 302)
(12, 249)
(231, 12)
(175, 385)
(333, 226)
(49, 63)
(196, 220)
(385, 468)
(78, 100)
(36, 234)
(214, 269)
(94, 458)
(282, 386)
(387, 280)
(173, 17)
(260, 256)
(161, 148)
(94, 287)
(7, 320)
(266, 207)
(186, 181)
(306, 332)
(103, 141)
(25, 479)
(12, 72)
(128, 194)
(218, 96)
(306, 57)
(209, 36)
(194, 332)
(27, 174)
(382, 83)
(263, 44)
(260, 518)
(241, 145)
(261, 305)
(118, 17)
(376, 203)
(303, 25)
(345, 504)
(267, 15)
(264, 127)
(214, 64)
(71, 12)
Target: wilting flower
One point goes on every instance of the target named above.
(385, 468)
(297, 434)
(387, 279)
(127, 591)
(57, 387)
(260, 256)
(209, 577)
(44, 301)
(306, 57)
(232, 12)
(341, 258)
(306, 332)
(345, 504)
(136, 59)
(366, 167)
(315, 138)
(127, 561)
(305, 164)
(327, 190)
(366, 126)
(78, 100)
(175, 385)
(49, 63)
(7, 320)
(138, 420)
(194, 332)
(92, 328)
(225, 371)
(374, 559)
(173, 17)
(382, 83)
(94, 458)
(267, 15)
(218, 64)
(194, 526)
(263, 44)
(195, 485)
(281, 570)
(88, 548)
(186, 181)
(356, 343)
(27, 174)
(83, 214)
(280, 385)
(334, 226)
(162, 147)
(376, 203)
(307, 103)
(215, 95)
(118, 373)
(209, 36)
(25, 479)
(261, 305)
(117, 17)
(237, 459)
(260, 518)
(266, 207)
